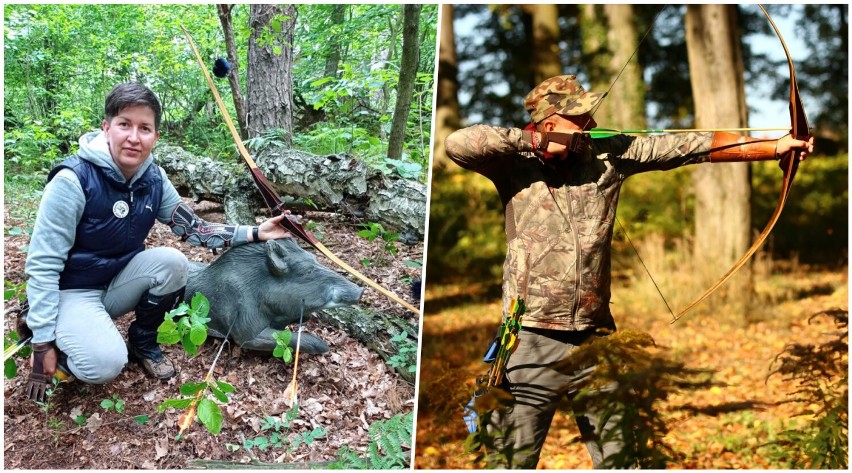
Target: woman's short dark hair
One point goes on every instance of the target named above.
(128, 95)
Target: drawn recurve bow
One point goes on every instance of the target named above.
(789, 163)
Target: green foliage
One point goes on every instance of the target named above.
(406, 355)
(389, 448)
(815, 222)
(819, 375)
(30, 148)
(282, 345)
(466, 237)
(210, 415)
(114, 404)
(276, 435)
(208, 411)
(190, 328)
(326, 139)
(274, 137)
(372, 231)
(60, 66)
(10, 366)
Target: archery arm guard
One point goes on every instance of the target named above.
(731, 147)
(190, 228)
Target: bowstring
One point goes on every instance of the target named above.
(591, 116)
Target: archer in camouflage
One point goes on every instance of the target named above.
(560, 208)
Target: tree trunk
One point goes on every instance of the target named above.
(375, 330)
(270, 79)
(336, 183)
(545, 34)
(447, 118)
(332, 59)
(723, 192)
(407, 74)
(234, 75)
(609, 40)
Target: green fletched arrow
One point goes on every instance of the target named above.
(596, 133)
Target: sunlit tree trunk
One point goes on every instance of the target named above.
(407, 75)
(270, 79)
(447, 118)
(234, 59)
(609, 40)
(722, 191)
(545, 33)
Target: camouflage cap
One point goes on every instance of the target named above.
(561, 94)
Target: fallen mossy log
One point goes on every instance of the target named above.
(337, 183)
(375, 330)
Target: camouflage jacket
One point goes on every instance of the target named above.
(559, 214)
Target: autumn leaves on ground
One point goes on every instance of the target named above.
(731, 424)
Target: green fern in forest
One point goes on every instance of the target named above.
(389, 449)
(821, 375)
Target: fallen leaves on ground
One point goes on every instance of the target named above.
(342, 392)
(736, 419)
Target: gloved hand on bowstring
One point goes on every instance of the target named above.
(44, 367)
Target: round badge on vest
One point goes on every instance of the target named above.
(120, 209)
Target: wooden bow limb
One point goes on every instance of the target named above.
(789, 163)
(271, 197)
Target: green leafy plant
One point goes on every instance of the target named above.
(389, 448)
(406, 353)
(114, 404)
(186, 324)
(273, 137)
(373, 231)
(282, 345)
(821, 376)
(276, 435)
(46, 407)
(14, 291)
(208, 411)
(10, 366)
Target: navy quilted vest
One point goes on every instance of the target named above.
(116, 220)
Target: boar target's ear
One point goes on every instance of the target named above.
(276, 255)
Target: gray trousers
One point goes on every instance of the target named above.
(85, 330)
(537, 389)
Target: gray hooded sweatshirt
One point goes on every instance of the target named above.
(59, 213)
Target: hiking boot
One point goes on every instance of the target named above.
(161, 368)
(142, 346)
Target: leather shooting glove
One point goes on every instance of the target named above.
(44, 367)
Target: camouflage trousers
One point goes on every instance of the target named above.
(538, 390)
